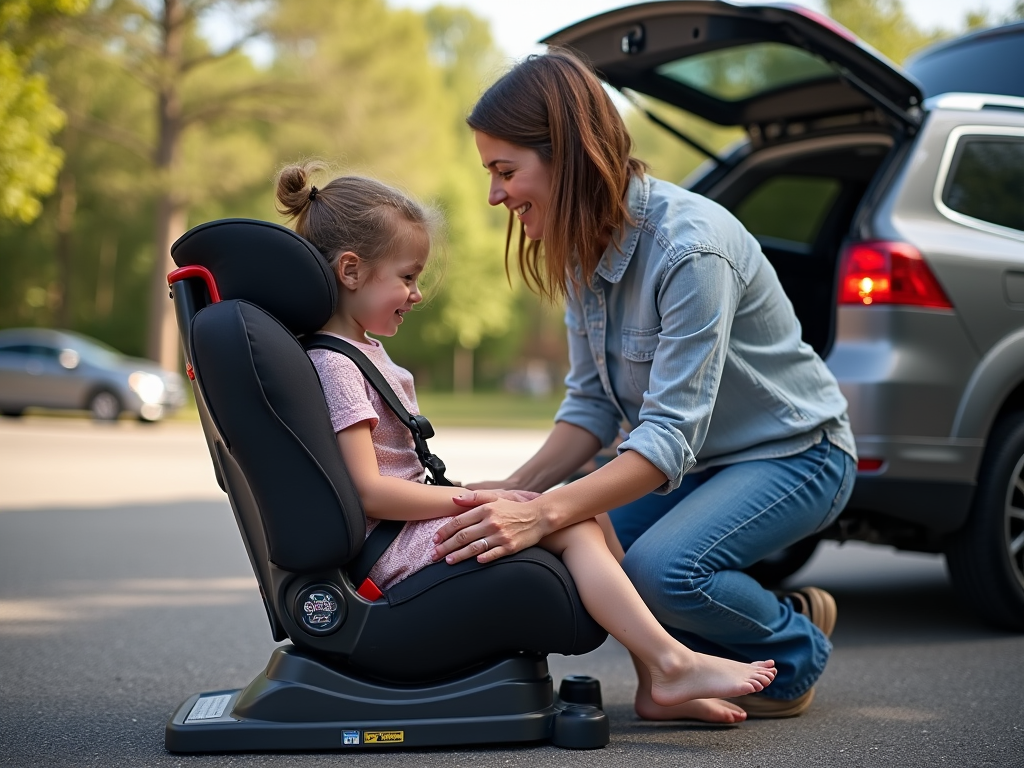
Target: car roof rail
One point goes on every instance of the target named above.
(973, 101)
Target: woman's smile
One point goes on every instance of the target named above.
(520, 180)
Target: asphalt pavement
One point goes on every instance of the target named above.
(125, 588)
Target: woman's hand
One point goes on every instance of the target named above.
(500, 523)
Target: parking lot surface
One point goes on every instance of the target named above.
(124, 588)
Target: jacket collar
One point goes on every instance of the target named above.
(614, 260)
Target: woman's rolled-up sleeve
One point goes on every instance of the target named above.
(586, 405)
(696, 302)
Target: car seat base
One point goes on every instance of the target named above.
(301, 703)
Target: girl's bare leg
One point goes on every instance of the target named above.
(706, 710)
(677, 674)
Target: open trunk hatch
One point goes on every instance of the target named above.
(742, 65)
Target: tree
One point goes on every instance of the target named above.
(392, 102)
(191, 88)
(475, 300)
(29, 162)
(388, 102)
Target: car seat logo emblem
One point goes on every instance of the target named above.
(319, 609)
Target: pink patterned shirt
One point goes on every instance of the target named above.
(350, 400)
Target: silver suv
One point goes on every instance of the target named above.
(893, 213)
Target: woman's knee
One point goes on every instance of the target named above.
(666, 580)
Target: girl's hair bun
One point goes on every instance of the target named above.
(293, 187)
(350, 213)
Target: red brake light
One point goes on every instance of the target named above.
(882, 272)
(869, 465)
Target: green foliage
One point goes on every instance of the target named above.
(388, 102)
(372, 89)
(883, 24)
(29, 162)
(403, 87)
(28, 119)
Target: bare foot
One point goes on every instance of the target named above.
(702, 677)
(705, 710)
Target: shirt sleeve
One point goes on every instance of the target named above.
(344, 389)
(586, 405)
(697, 300)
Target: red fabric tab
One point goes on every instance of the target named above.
(190, 371)
(369, 591)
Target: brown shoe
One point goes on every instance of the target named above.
(760, 706)
(817, 605)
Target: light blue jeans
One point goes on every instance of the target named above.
(684, 552)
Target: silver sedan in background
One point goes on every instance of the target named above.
(46, 368)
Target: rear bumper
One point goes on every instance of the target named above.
(940, 507)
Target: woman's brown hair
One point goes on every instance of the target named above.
(350, 213)
(555, 104)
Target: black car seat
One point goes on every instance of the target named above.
(452, 654)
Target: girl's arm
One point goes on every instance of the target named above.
(390, 498)
(509, 527)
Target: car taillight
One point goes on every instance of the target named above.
(869, 465)
(884, 272)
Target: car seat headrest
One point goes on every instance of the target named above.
(265, 264)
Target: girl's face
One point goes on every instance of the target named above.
(520, 180)
(376, 297)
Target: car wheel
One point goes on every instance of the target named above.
(778, 566)
(986, 556)
(105, 406)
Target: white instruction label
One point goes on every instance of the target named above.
(208, 708)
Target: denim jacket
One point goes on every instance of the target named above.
(686, 335)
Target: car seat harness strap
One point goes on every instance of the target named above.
(387, 531)
(417, 424)
(359, 567)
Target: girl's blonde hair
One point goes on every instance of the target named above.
(350, 213)
(555, 105)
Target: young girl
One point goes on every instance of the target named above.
(378, 241)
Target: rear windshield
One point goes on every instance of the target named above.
(788, 211)
(739, 73)
(986, 180)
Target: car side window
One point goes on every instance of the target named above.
(35, 351)
(40, 351)
(986, 180)
(788, 211)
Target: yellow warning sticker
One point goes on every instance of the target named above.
(383, 737)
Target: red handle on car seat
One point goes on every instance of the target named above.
(195, 270)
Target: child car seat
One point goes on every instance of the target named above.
(450, 655)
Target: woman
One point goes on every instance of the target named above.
(737, 441)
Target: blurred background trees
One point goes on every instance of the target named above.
(29, 118)
(125, 122)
